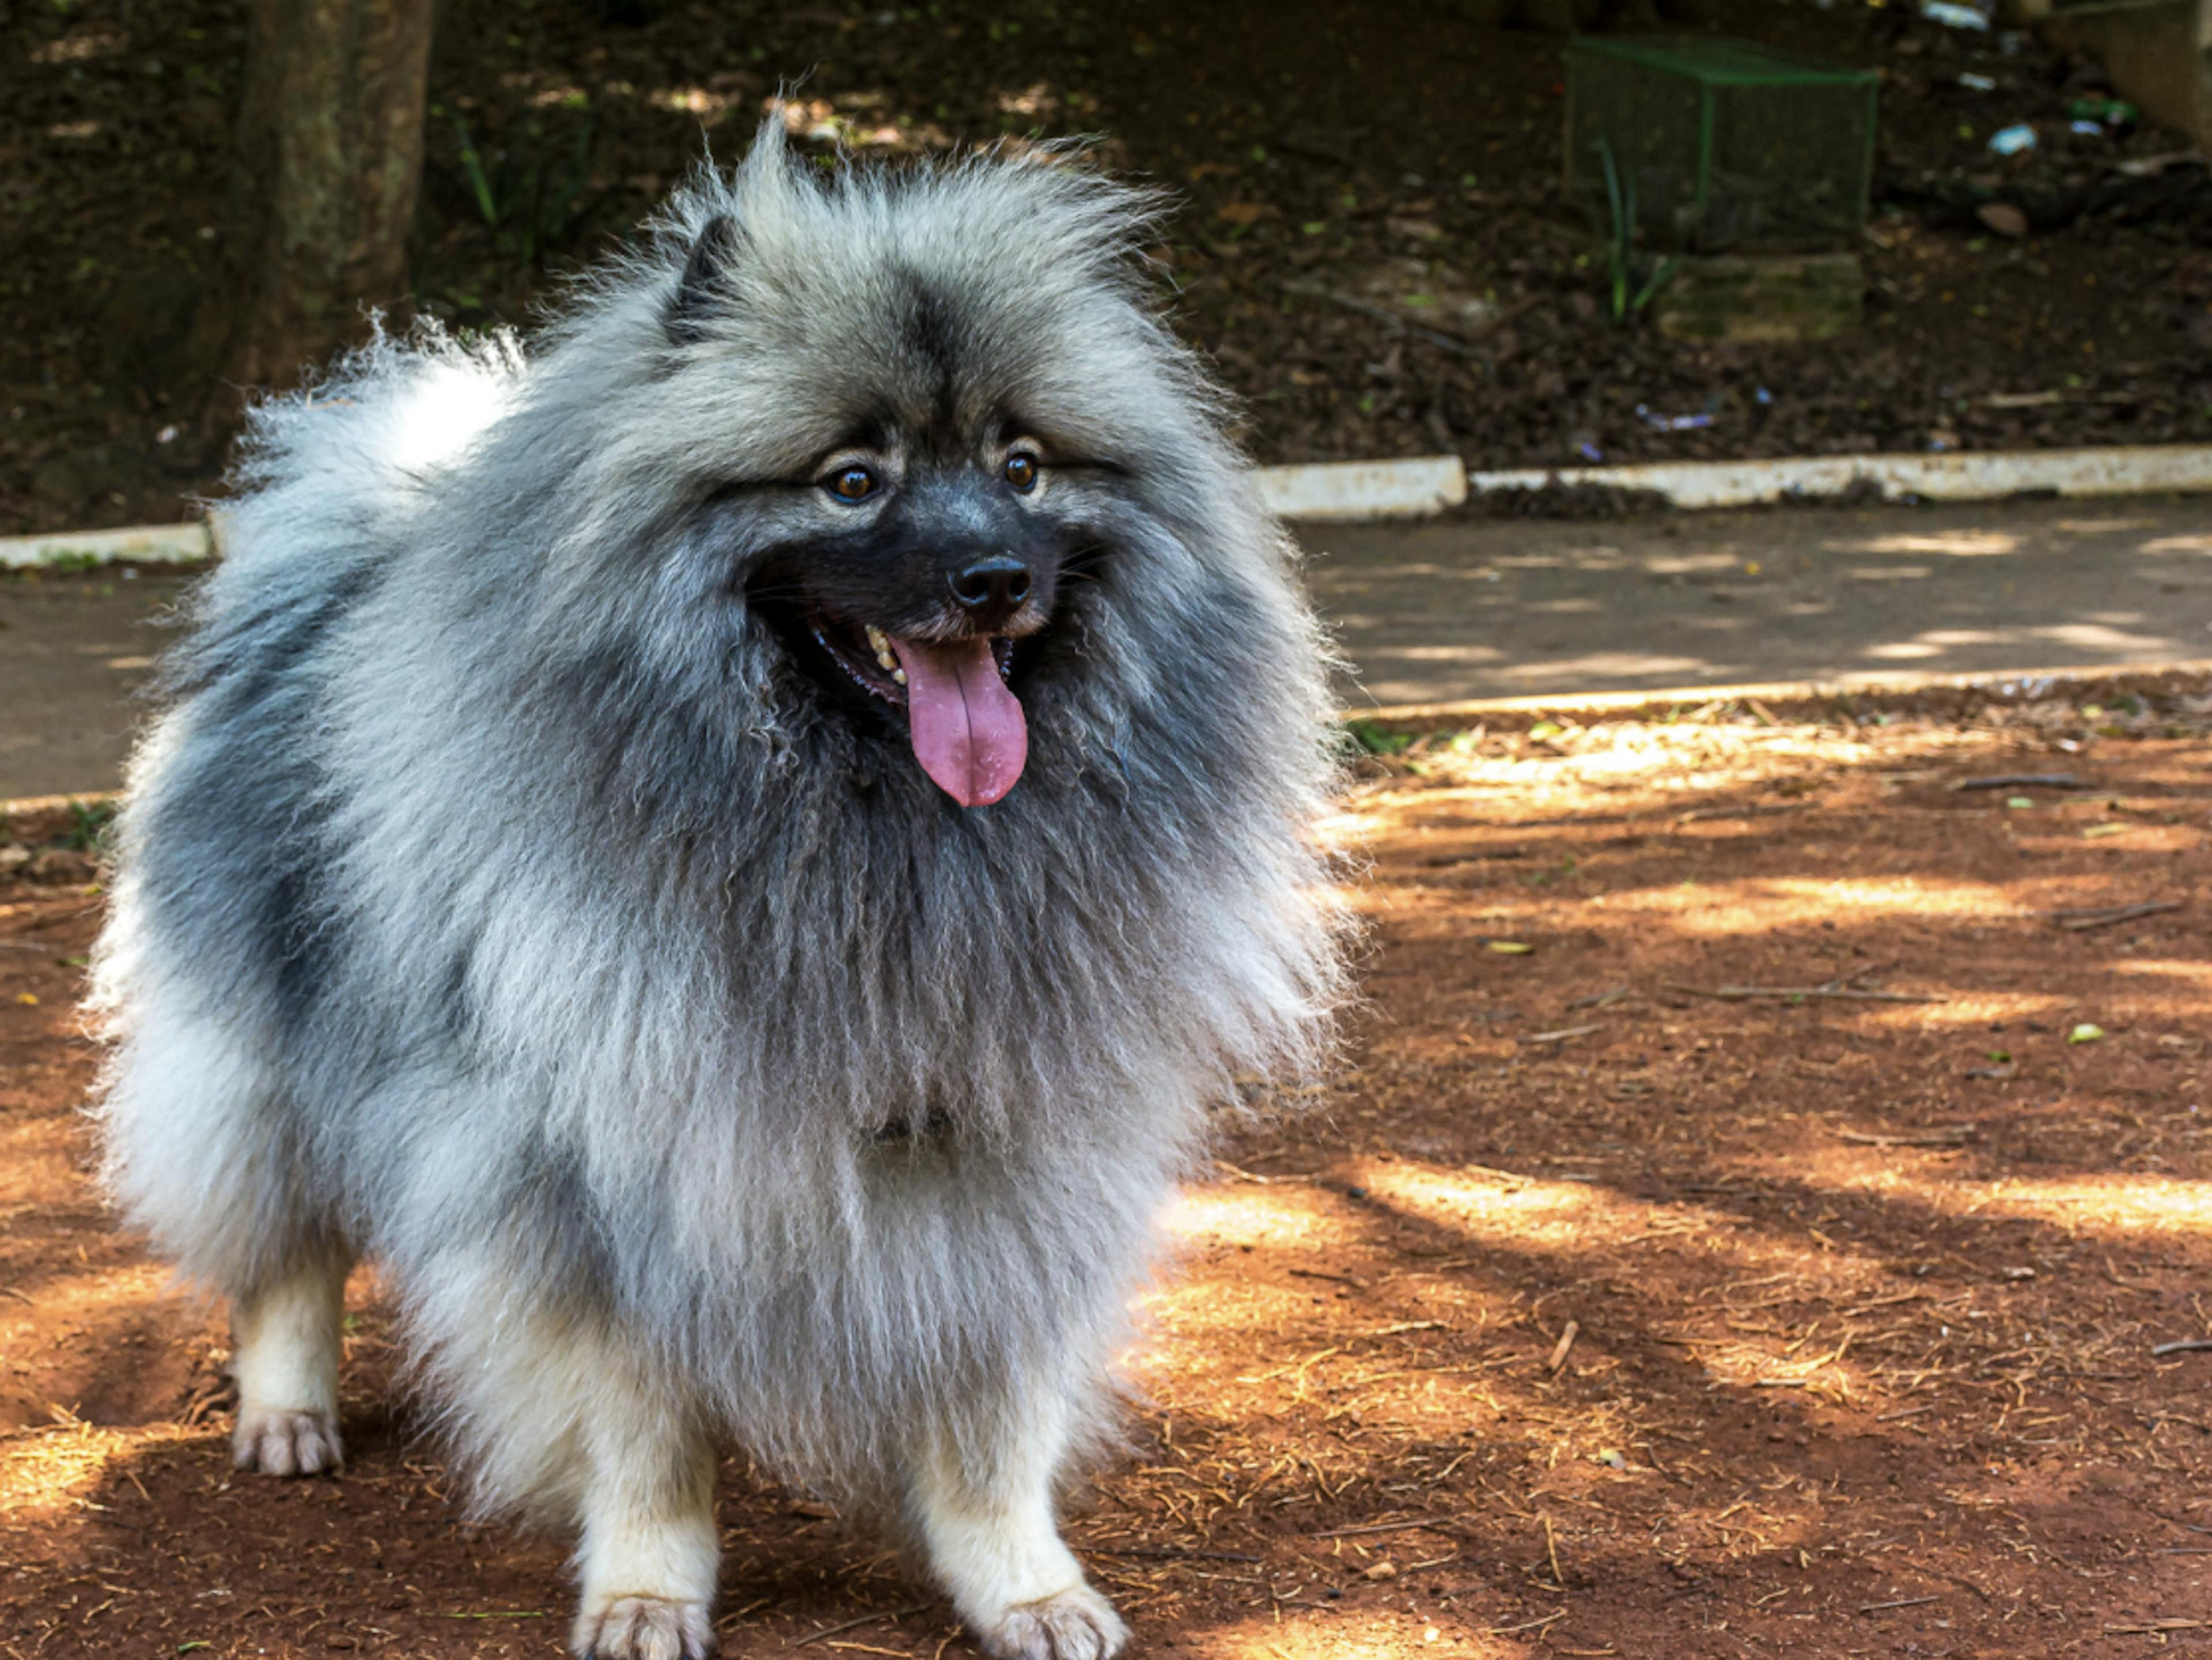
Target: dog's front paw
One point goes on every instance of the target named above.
(1077, 1624)
(286, 1442)
(643, 1628)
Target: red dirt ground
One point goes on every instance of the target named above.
(1864, 1293)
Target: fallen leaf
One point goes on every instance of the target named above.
(2085, 1033)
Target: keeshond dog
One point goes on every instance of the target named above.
(733, 850)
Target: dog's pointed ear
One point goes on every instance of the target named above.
(702, 287)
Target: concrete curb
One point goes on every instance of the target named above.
(1323, 492)
(2003, 686)
(30, 804)
(152, 544)
(2136, 469)
(1337, 492)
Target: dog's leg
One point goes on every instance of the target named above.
(649, 1554)
(284, 1351)
(555, 1412)
(983, 1504)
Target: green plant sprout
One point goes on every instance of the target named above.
(1624, 263)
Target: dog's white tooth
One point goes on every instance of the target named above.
(899, 675)
(879, 642)
(885, 660)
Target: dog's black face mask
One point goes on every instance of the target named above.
(918, 592)
(914, 565)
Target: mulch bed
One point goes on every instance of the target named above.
(1755, 1216)
(1372, 248)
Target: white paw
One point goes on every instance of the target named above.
(643, 1628)
(286, 1442)
(1078, 1624)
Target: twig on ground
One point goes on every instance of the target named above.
(2045, 781)
(1953, 1138)
(1739, 993)
(1534, 1625)
(854, 1625)
(1901, 1602)
(2077, 920)
(2188, 1345)
(1156, 1554)
(1562, 1035)
(1559, 1350)
(1238, 1173)
(1602, 999)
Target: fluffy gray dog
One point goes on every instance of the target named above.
(733, 851)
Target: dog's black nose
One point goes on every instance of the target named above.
(992, 589)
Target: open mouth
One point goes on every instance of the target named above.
(865, 653)
(966, 726)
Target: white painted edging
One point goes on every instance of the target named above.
(1328, 490)
(1426, 485)
(2143, 468)
(1365, 489)
(155, 544)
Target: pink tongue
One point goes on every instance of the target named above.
(968, 732)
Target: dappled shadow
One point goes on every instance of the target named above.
(1490, 609)
(1814, 1363)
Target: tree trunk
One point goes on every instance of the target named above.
(330, 157)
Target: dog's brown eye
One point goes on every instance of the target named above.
(853, 484)
(1022, 472)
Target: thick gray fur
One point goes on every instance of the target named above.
(495, 900)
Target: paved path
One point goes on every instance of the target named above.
(72, 650)
(1436, 613)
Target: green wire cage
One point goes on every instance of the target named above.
(1712, 145)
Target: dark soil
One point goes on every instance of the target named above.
(1406, 160)
(1593, 1309)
